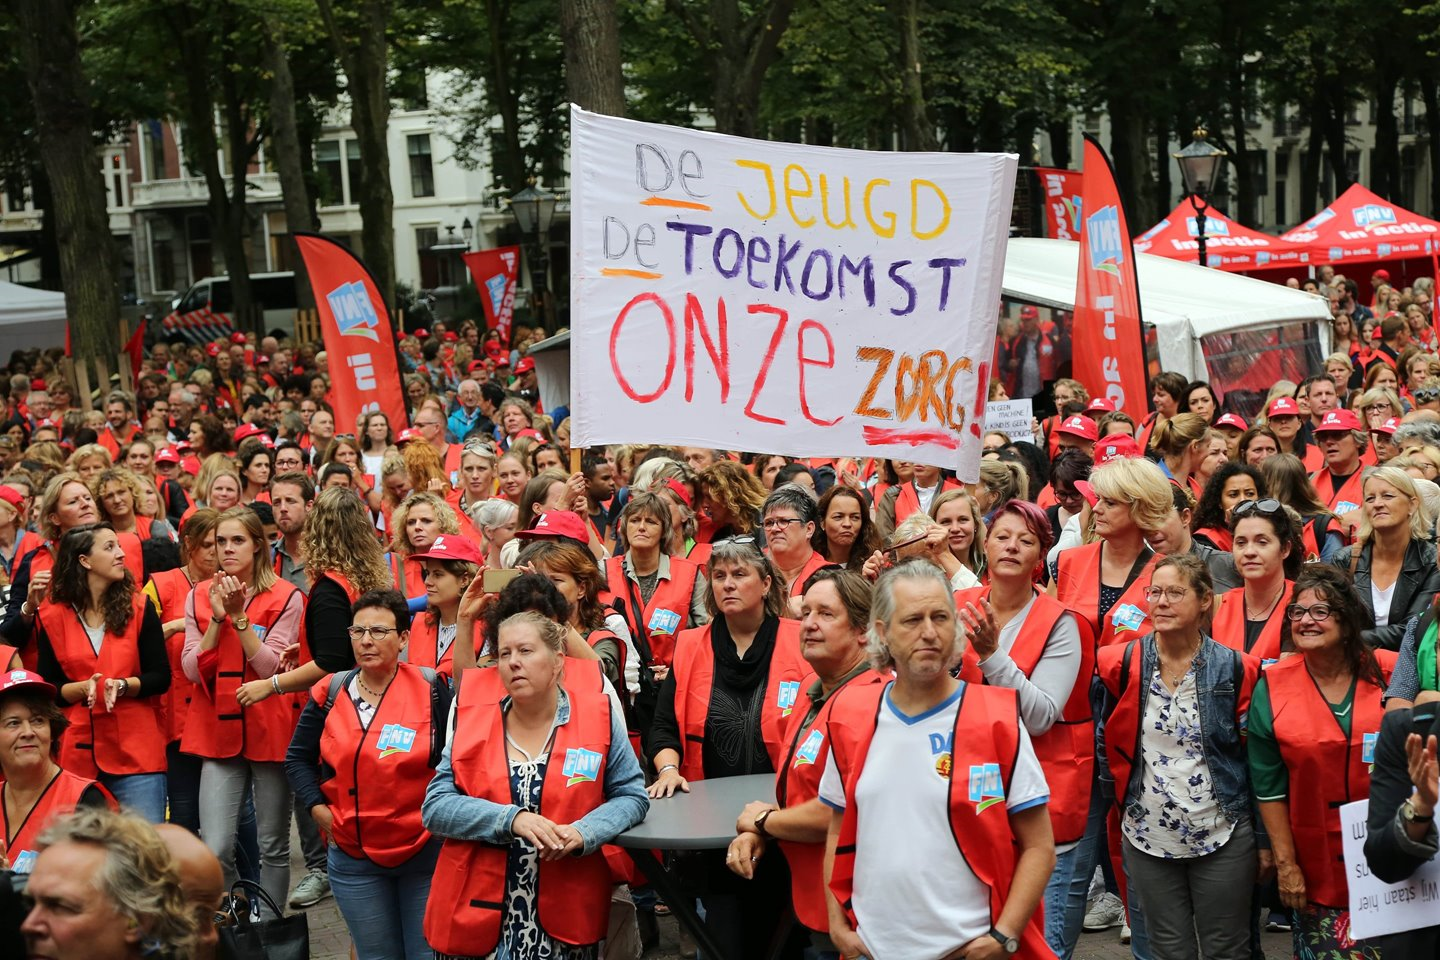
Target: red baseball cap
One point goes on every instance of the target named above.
(557, 525)
(1382, 273)
(502, 361)
(212, 349)
(525, 365)
(451, 546)
(247, 430)
(12, 496)
(25, 680)
(1100, 405)
(1233, 421)
(1388, 427)
(421, 334)
(237, 337)
(1080, 426)
(1029, 313)
(167, 455)
(1282, 407)
(451, 337)
(408, 434)
(1338, 420)
(531, 435)
(37, 384)
(1087, 491)
(1114, 447)
(475, 365)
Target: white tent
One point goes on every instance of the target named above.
(1185, 302)
(30, 318)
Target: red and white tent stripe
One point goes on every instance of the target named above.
(199, 326)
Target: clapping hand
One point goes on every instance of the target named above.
(1424, 771)
(980, 628)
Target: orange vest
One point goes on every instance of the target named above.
(392, 756)
(218, 727)
(1315, 531)
(128, 739)
(907, 502)
(670, 600)
(60, 797)
(1077, 586)
(816, 561)
(467, 896)
(172, 587)
(1352, 492)
(990, 720)
(409, 575)
(1219, 537)
(798, 782)
(1228, 625)
(1067, 750)
(424, 641)
(1327, 768)
(694, 669)
(43, 558)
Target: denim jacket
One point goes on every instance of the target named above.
(447, 812)
(1223, 697)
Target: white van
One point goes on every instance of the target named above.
(204, 312)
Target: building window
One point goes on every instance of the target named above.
(425, 239)
(328, 174)
(1282, 215)
(422, 171)
(352, 169)
(154, 149)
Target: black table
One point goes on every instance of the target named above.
(703, 819)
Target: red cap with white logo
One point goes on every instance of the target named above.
(1338, 420)
(1282, 407)
(1388, 427)
(25, 680)
(451, 546)
(557, 524)
(1100, 405)
(1080, 426)
(1231, 420)
(1115, 447)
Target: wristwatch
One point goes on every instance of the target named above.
(241, 622)
(1409, 814)
(1008, 943)
(760, 821)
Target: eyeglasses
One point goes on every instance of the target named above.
(378, 633)
(1319, 612)
(1266, 506)
(1173, 594)
(744, 540)
(779, 523)
(344, 436)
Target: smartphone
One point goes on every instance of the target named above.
(493, 581)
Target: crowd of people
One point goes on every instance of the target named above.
(1125, 679)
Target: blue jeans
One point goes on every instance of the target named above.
(1063, 926)
(144, 793)
(384, 907)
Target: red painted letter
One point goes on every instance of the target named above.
(620, 377)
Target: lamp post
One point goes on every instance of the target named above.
(467, 230)
(534, 209)
(1200, 164)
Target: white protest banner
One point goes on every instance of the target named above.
(772, 296)
(1012, 418)
(1377, 907)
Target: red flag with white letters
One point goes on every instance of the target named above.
(1060, 191)
(495, 273)
(359, 338)
(1109, 352)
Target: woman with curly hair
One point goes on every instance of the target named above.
(119, 493)
(102, 646)
(208, 435)
(580, 581)
(416, 522)
(1229, 485)
(732, 497)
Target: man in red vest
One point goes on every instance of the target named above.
(1030, 357)
(1338, 483)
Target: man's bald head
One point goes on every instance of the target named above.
(201, 879)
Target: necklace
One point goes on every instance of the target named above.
(360, 679)
(1269, 609)
(1176, 677)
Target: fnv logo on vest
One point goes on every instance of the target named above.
(810, 749)
(581, 766)
(354, 313)
(1102, 229)
(395, 739)
(1373, 214)
(787, 695)
(25, 862)
(986, 788)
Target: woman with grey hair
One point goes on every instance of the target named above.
(497, 520)
(721, 712)
(789, 516)
(897, 753)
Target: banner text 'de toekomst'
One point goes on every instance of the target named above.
(771, 296)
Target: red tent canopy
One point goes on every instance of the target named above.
(1361, 227)
(1228, 245)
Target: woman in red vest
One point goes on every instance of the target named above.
(238, 625)
(15, 540)
(417, 521)
(913, 496)
(834, 618)
(577, 577)
(448, 565)
(722, 712)
(36, 789)
(1022, 639)
(844, 533)
(538, 775)
(1314, 722)
(102, 647)
(789, 522)
(1287, 481)
(167, 592)
(930, 756)
(1174, 735)
(119, 493)
(363, 753)
(257, 467)
(1268, 556)
(1231, 484)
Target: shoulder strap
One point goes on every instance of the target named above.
(337, 680)
(1355, 549)
(1125, 669)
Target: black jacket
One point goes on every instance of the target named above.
(1386, 853)
(1417, 584)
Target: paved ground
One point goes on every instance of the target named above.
(330, 941)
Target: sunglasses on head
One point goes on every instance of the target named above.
(1427, 395)
(1247, 507)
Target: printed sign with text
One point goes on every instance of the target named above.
(1376, 907)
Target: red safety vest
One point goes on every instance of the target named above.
(218, 727)
(797, 782)
(1219, 537)
(43, 558)
(172, 587)
(1352, 492)
(1145, 430)
(392, 756)
(128, 739)
(1228, 624)
(7, 653)
(1044, 352)
(907, 502)
(1067, 750)
(351, 593)
(467, 896)
(694, 669)
(1122, 727)
(1077, 586)
(424, 641)
(409, 575)
(60, 797)
(1327, 768)
(1315, 532)
(1314, 458)
(671, 596)
(990, 720)
(816, 561)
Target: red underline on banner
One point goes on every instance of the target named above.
(637, 274)
(667, 202)
(882, 436)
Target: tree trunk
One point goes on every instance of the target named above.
(1335, 139)
(285, 156)
(361, 45)
(242, 149)
(1385, 161)
(741, 49)
(1239, 151)
(50, 50)
(513, 171)
(593, 78)
(1310, 162)
(1432, 136)
(1059, 132)
(1128, 155)
(914, 119)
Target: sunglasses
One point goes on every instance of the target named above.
(1247, 507)
(1427, 395)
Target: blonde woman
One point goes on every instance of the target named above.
(417, 521)
(1000, 482)
(959, 514)
(1377, 405)
(120, 494)
(89, 460)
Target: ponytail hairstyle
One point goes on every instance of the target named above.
(1175, 435)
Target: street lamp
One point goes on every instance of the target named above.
(467, 230)
(534, 209)
(1200, 167)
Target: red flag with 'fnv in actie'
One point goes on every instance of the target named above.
(1109, 353)
(359, 339)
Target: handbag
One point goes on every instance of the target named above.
(243, 938)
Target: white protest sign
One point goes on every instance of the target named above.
(751, 295)
(1012, 418)
(1377, 907)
